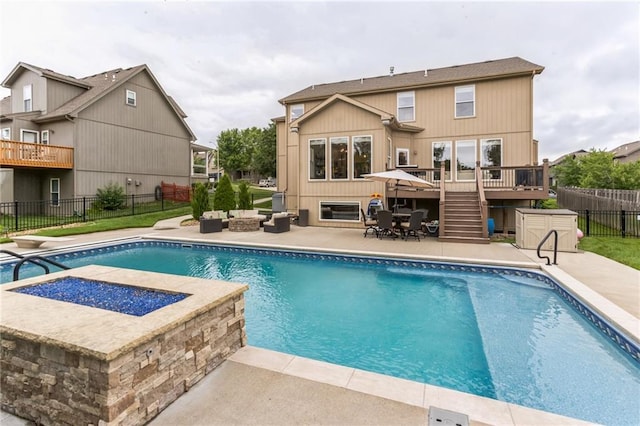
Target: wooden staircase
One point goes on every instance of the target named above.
(463, 219)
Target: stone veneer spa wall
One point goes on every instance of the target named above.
(64, 363)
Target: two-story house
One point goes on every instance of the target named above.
(65, 137)
(468, 129)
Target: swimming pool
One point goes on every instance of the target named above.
(495, 332)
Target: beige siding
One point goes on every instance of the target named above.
(59, 93)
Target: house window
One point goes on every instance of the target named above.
(6, 133)
(339, 157)
(465, 101)
(340, 210)
(317, 159)
(27, 98)
(361, 149)
(131, 98)
(54, 191)
(465, 160)
(402, 157)
(44, 137)
(491, 156)
(296, 111)
(406, 106)
(442, 155)
(28, 136)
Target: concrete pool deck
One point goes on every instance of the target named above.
(257, 386)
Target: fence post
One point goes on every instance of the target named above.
(623, 223)
(587, 219)
(15, 209)
(84, 209)
(133, 206)
(162, 199)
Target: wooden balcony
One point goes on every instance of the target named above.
(27, 154)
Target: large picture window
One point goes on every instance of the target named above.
(491, 156)
(361, 156)
(442, 155)
(317, 159)
(465, 101)
(406, 106)
(339, 158)
(340, 210)
(465, 160)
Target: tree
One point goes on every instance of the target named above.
(597, 170)
(200, 201)
(111, 197)
(627, 176)
(244, 198)
(264, 158)
(233, 154)
(224, 198)
(568, 172)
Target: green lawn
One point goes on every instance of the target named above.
(623, 250)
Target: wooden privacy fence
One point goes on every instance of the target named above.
(598, 199)
(173, 192)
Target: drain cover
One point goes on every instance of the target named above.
(442, 417)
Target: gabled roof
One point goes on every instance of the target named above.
(97, 86)
(424, 78)
(573, 154)
(387, 119)
(625, 149)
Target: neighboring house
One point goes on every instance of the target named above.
(65, 137)
(627, 153)
(553, 181)
(460, 122)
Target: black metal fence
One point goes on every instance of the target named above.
(25, 215)
(609, 223)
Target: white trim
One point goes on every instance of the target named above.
(461, 90)
(352, 156)
(35, 132)
(467, 142)
(130, 94)
(326, 172)
(6, 133)
(330, 174)
(411, 94)
(44, 137)
(341, 202)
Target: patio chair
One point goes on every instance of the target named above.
(385, 224)
(415, 224)
(278, 224)
(370, 224)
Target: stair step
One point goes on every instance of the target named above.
(473, 240)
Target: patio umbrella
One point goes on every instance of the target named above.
(398, 178)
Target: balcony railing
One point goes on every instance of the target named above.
(27, 154)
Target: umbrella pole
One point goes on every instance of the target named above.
(395, 207)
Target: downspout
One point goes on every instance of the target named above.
(75, 160)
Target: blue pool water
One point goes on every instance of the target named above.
(495, 332)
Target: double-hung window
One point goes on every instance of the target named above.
(361, 153)
(465, 101)
(317, 159)
(54, 191)
(406, 106)
(131, 98)
(27, 97)
(6, 133)
(296, 111)
(44, 137)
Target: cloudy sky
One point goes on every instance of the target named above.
(228, 63)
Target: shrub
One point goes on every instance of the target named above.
(244, 198)
(224, 198)
(111, 197)
(200, 200)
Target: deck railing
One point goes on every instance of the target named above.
(27, 154)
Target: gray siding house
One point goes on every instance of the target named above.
(65, 137)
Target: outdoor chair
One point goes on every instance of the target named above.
(210, 225)
(415, 224)
(278, 224)
(385, 224)
(369, 224)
